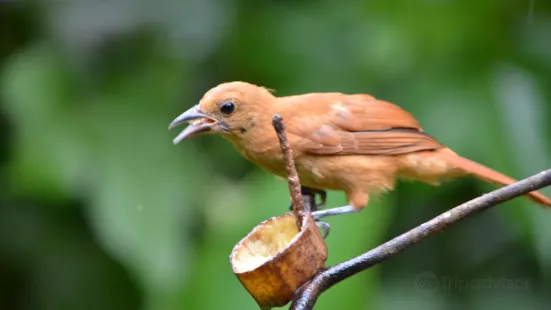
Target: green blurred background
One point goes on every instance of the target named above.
(98, 210)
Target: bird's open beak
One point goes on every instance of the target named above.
(203, 123)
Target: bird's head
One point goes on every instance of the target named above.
(230, 109)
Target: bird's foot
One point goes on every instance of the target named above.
(309, 197)
(325, 228)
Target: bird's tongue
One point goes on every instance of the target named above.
(194, 129)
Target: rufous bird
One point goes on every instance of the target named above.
(352, 143)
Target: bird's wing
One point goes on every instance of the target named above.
(360, 125)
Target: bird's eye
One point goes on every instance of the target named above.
(227, 107)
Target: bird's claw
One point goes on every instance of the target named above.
(313, 192)
(325, 228)
(309, 196)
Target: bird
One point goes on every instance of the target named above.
(354, 143)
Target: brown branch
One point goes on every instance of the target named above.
(307, 295)
(292, 175)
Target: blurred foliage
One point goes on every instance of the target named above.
(98, 210)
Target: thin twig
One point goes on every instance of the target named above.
(307, 295)
(292, 175)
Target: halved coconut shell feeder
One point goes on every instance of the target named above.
(284, 252)
(275, 259)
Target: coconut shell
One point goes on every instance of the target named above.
(275, 259)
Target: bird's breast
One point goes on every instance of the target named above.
(267, 156)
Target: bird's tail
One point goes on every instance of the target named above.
(486, 174)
